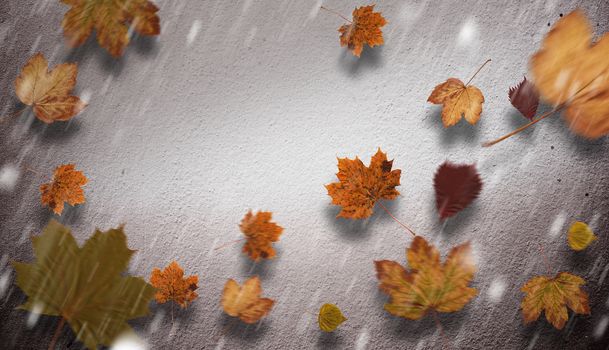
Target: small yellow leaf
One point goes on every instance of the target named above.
(580, 236)
(330, 317)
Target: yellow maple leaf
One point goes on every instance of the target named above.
(49, 92)
(429, 285)
(364, 29)
(553, 295)
(458, 100)
(171, 285)
(260, 233)
(330, 317)
(65, 187)
(580, 236)
(111, 19)
(244, 301)
(360, 187)
(573, 73)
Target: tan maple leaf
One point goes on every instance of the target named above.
(111, 19)
(458, 100)
(171, 285)
(244, 301)
(553, 295)
(49, 92)
(364, 29)
(360, 187)
(65, 187)
(429, 285)
(572, 72)
(260, 233)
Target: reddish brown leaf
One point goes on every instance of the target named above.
(525, 98)
(456, 187)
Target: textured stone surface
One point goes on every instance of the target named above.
(247, 104)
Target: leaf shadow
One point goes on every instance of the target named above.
(371, 58)
(57, 132)
(356, 230)
(242, 332)
(264, 268)
(330, 340)
(462, 132)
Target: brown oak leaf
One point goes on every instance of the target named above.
(260, 233)
(553, 296)
(360, 187)
(364, 29)
(456, 187)
(429, 285)
(525, 98)
(244, 301)
(49, 92)
(65, 187)
(111, 19)
(171, 285)
(458, 100)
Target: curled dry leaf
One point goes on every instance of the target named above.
(171, 285)
(553, 296)
(360, 187)
(456, 187)
(84, 285)
(49, 92)
(573, 73)
(458, 100)
(245, 302)
(260, 233)
(364, 29)
(580, 236)
(525, 98)
(429, 285)
(65, 187)
(112, 21)
(330, 317)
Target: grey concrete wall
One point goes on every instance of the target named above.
(247, 104)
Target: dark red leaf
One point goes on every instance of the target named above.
(456, 187)
(525, 98)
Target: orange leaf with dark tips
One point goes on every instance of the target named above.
(525, 98)
(172, 285)
(65, 187)
(260, 233)
(456, 187)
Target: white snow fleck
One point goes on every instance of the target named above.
(250, 36)
(246, 6)
(9, 174)
(34, 315)
(4, 281)
(601, 327)
(129, 342)
(362, 339)
(315, 10)
(533, 341)
(468, 33)
(601, 279)
(86, 95)
(496, 290)
(558, 224)
(155, 324)
(220, 343)
(194, 31)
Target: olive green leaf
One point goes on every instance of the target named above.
(330, 317)
(84, 285)
(580, 236)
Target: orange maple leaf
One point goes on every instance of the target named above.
(49, 92)
(111, 19)
(360, 187)
(260, 233)
(364, 29)
(171, 285)
(457, 100)
(65, 187)
(245, 302)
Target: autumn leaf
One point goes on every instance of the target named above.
(580, 236)
(553, 296)
(111, 19)
(84, 286)
(525, 98)
(48, 93)
(365, 29)
(456, 187)
(65, 187)
(171, 285)
(244, 301)
(457, 100)
(260, 233)
(429, 285)
(571, 72)
(360, 187)
(330, 317)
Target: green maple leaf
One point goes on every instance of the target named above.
(84, 285)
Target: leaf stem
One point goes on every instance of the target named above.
(396, 220)
(545, 260)
(478, 71)
(336, 13)
(440, 328)
(524, 127)
(229, 243)
(57, 333)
